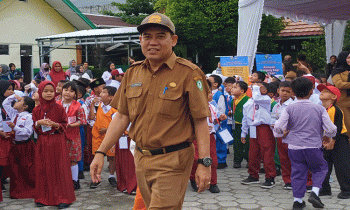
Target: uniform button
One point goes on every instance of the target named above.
(154, 76)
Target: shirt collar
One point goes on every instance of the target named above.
(23, 114)
(214, 91)
(286, 103)
(170, 62)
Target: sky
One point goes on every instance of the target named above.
(88, 3)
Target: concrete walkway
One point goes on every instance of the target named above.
(233, 195)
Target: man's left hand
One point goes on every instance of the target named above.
(203, 175)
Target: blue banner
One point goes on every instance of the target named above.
(232, 66)
(270, 63)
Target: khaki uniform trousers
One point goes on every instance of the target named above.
(163, 179)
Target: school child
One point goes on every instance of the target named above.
(240, 150)
(97, 87)
(76, 118)
(81, 92)
(114, 82)
(53, 184)
(35, 97)
(303, 124)
(213, 123)
(229, 81)
(218, 97)
(6, 89)
(285, 93)
(103, 116)
(257, 76)
(22, 175)
(337, 150)
(257, 118)
(59, 89)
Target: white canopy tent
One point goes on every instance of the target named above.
(331, 14)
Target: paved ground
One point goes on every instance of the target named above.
(233, 195)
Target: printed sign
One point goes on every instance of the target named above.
(271, 64)
(237, 65)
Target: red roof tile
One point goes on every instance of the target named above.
(300, 29)
(108, 21)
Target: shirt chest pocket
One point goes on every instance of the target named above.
(133, 94)
(170, 103)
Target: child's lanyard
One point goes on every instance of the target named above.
(211, 109)
(7, 117)
(329, 107)
(228, 103)
(47, 110)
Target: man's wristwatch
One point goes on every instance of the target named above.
(205, 161)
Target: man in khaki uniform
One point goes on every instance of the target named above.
(165, 99)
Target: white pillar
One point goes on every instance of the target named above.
(250, 15)
(335, 37)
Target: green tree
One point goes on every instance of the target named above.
(315, 51)
(347, 38)
(210, 27)
(133, 11)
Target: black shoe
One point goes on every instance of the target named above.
(3, 188)
(81, 175)
(262, 171)
(309, 189)
(250, 180)
(39, 204)
(287, 186)
(315, 201)
(298, 206)
(278, 172)
(133, 192)
(228, 151)
(269, 183)
(214, 188)
(94, 185)
(324, 192)
(63, 206)
(237, 165)
(76, 185)
(344, 195)
(222, 166)
(112, 181)
(194, 185)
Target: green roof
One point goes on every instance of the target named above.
(78, 12)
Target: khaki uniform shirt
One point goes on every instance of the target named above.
(161, 104)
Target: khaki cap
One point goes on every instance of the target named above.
(156, 19)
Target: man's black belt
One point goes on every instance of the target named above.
(22, 142)
(165, 150)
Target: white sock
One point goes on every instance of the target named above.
(112, 176)
(316, 190)
(75, 172)
(300, 200)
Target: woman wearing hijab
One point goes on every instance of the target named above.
(57, 74)
(43, 74)
(107, 76)
(341, 80)
(54, 185)
(6, 89)
(71, 70)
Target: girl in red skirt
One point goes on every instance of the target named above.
(76, 117)
(53, 173)
(6, 89)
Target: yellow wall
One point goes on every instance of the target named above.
(23, 22)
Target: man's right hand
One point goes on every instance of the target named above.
(243, 140)
(96, 168)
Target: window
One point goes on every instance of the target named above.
(4, 49)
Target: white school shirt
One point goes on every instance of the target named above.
(115, 83)
(106, 77)
(257, 111)
(314, 98)
(24, 125)
(214, 113)
(277, 110)
(221, 102)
